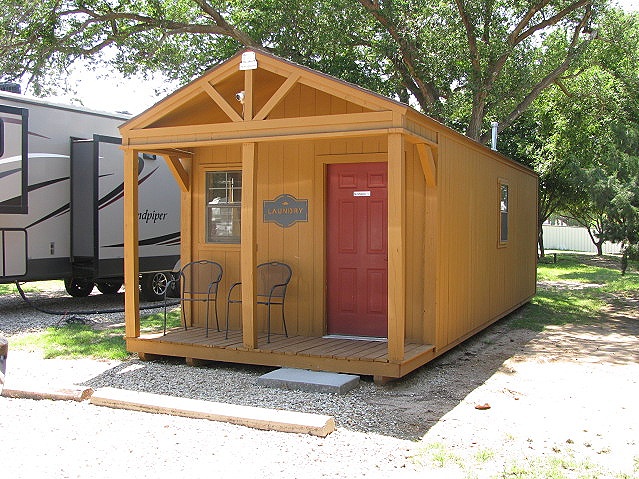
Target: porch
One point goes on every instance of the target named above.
(355, 356)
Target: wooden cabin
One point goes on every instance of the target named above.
(404, 237)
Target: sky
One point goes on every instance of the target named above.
(113, 93)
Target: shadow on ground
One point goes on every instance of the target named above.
(405, 408)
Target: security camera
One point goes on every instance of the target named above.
(239, 96)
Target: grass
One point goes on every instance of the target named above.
(34, 286)
(560, 465)
(78, 340)
(594, 282)
(439, 455)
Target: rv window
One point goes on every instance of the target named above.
(503, 212)
(223, 206)
(1, 137)
(14, 146)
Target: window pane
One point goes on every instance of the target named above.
(504, 198)
(223, 208)
(503, 208)
(504, 227)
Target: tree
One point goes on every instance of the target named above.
(465, 62)
(582, 137)
(604, 130)
(593, 212)
(535, 142)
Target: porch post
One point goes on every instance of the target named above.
(131, 268)
(396, 247)
(248, 250)
(248, 95)
(186, 234)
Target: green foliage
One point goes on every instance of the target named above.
(464, 63)
(582, 137)
(83, 340)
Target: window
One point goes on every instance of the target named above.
(503, 212)
(223, 206)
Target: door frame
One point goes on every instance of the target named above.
(362, 322)
(319, 215)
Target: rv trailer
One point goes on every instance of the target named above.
(61, 200)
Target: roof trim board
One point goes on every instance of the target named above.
(332, 86)
(221, 102)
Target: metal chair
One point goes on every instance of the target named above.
(197, 281)
(271, 283)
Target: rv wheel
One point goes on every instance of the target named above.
(153, 285)
(78, 288)
(109, 287)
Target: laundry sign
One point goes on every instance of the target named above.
(285, 210)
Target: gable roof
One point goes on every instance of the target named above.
(211, 98)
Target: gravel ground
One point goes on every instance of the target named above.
(552, 395)
(68, 439)
(219, 382)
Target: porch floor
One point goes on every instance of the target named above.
(356, 356)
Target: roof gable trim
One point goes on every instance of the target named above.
(293, 73)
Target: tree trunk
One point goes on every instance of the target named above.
(599, 245)
(477, 116)
(540, 240)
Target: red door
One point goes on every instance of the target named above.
(357, 259)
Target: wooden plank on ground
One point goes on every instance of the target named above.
(71, 393)
(259, 418)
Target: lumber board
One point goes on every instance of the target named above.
(254, 417)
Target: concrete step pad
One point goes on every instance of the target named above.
(255, 417)
(310, 381)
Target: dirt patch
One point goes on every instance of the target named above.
(566, 396)
(566, 285)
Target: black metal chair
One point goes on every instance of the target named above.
(271, 283)
(197, 281)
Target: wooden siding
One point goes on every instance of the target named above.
(297, 169)
(479, 281)
(457, 278)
